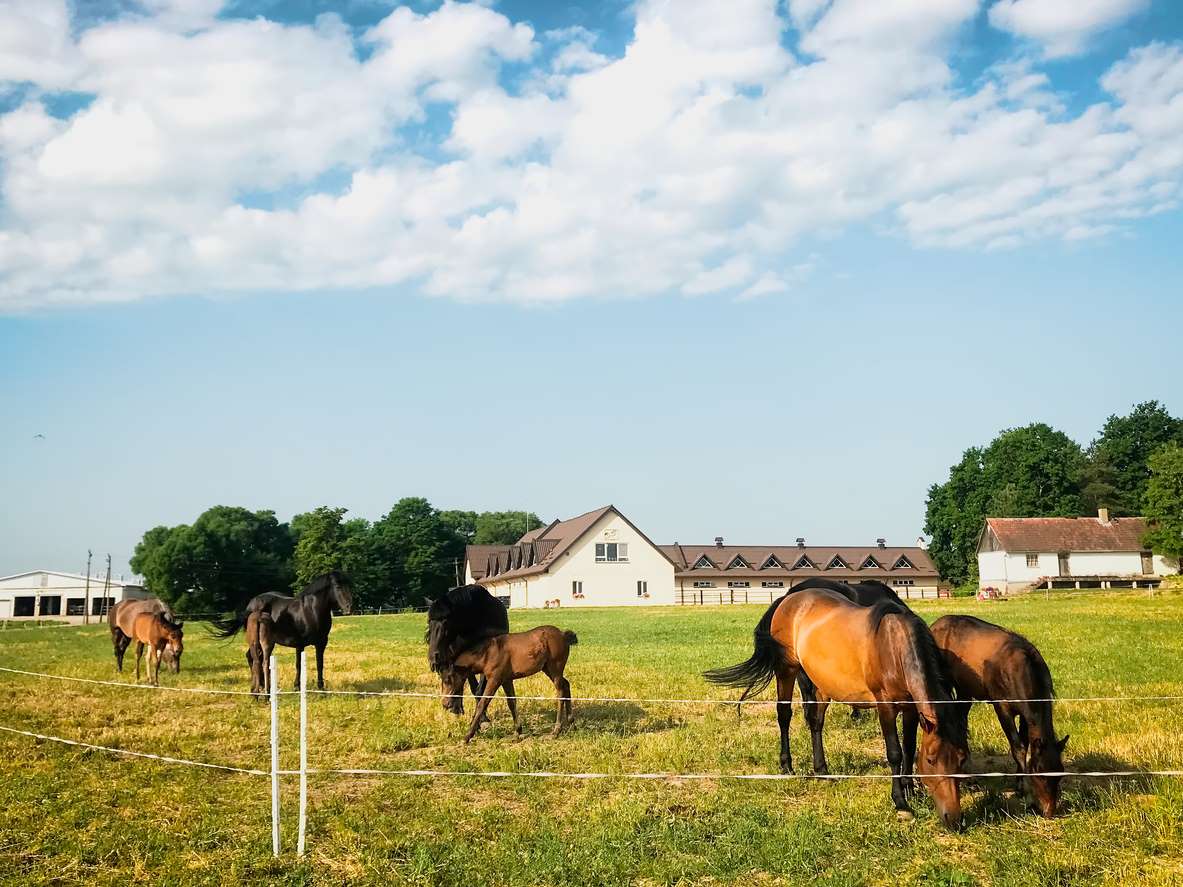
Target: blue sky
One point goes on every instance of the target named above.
(763, 278)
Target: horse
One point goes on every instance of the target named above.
(302, 621)
(503, 658)
(878, 656)
(461, 619)
(157, 634)
(121, 618)
(991, 663)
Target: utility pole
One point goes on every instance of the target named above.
(107, 588)
(86, 606)
(456, 566)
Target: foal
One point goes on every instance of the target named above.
(505, 657)
(153, 631)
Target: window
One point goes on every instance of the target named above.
(52, 605)
(704, 563)
(611, 552)
(836, 563)
(803, 563)
(870, 563)
(704, 584)
(903, 564)
(576, 588)
(772, 563)
(22, 606)
(903, 581)
(738, 563)
(739, 584)
(642, 588)
(75, 606)
(1032, 560)
(99, 606)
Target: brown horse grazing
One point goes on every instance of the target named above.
(123, 615)
(505, 657)
(989, 663)
(882, 657)
(153, 631)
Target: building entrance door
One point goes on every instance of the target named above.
(1064, 571)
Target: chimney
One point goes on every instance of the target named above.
(718, 542)
(1103, 515)
(800, 541)
(882, 543)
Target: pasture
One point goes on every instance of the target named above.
(70, 816)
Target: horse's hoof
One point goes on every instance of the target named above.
(905, 815)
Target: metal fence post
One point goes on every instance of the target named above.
(303, 751)
(274, 666)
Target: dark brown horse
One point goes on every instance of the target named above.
(301, 621)
(995, 665)
(153, 631)
(503, 658)
(123, 615)
(873, 657)
(458, 621)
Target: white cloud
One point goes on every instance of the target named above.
(1064, 27)
(227, 155)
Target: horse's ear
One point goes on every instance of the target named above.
(1063, 742)
(926, 725)
(429, 600)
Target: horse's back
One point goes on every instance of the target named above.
(124, 614)
(830, 637)
(988, 661)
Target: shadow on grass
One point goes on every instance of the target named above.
(375, 685)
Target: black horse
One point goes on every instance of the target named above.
(458, 621)
(303, 621)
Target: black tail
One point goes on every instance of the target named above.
(572, 638)
(228, 627)
(761, 667)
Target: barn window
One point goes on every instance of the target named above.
(772, 563)
(870, 564)
(774, 583)
(576, 588)
(707, 583)
(803, 563)
(703, 563)
(642, 588)
(903, 564)
(739, 584)
(101, 605)
(738, 563)
(1033, 560)
(836, 563)
(22, 606)
(75, 606)
(903, 581)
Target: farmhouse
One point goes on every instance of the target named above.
(1025, 553)
(602, 559)
(49, 594)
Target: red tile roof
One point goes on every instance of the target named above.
(1067, 533)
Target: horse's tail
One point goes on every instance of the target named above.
(228, 627)
(571, 637)
(757, 672)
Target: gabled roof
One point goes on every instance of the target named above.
(1057, 534)
(820, 556)
(81, 577)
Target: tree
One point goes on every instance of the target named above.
(1163, 503)
(504, 527)
(1123, 452)
(319, 537)
(416, 551)
(226, 557)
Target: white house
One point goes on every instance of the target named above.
(1024, 553)
(602, 559)
(50, 594)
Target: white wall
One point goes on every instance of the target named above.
(67, 587)
(1002, 569)
(992, 568)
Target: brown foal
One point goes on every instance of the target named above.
(504, 658)
(153, 631)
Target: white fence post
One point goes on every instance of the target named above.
(303, 751)
(274, 667)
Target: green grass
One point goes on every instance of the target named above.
(69, 816)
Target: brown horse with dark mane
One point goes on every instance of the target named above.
(503, 658)
(995, 665)
(123, 615)
(881, 657)
(153, 631)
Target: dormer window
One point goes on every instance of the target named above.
(870, 564)
(902, 563)
(704, 563)
(804, 563)
(773, 563)
(738, 563)
(836, 563)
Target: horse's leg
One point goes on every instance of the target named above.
(511, 700)
(320, 665)
(139, 655)
(491, 685)
(815, 716)
(784, 716)
(910, 721)
(299, 656)
(1015, 739)
(895, 757)
(154, 656)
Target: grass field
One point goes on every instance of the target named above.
(76, 817)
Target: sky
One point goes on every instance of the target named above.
(759, 270)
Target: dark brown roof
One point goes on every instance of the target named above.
(821, 556)
(478, 558)
(1067, 533)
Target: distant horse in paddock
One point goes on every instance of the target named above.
(502, 659)
(153, 631)
(123, 615)
(880, 657)
(272, 619)
(989, 662)
(461, 619)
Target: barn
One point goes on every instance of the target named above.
(51, 594)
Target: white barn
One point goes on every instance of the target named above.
(50, 594)
(1025, 553)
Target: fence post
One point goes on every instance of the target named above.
(303, 751)
(274, 666)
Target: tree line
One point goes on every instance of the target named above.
(230, 554)
(1133, 467)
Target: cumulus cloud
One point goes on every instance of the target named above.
(459, 154)
(1063, 27)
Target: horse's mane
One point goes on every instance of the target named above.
(323, 582)
(466, 616)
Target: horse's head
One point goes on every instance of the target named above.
(438, 636)
(1045, 757)
(342, 592)
(944, 749)
(452, 689)
(174, 645)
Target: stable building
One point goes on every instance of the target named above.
(1018, 554)
(602, 559)
(50, 594)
